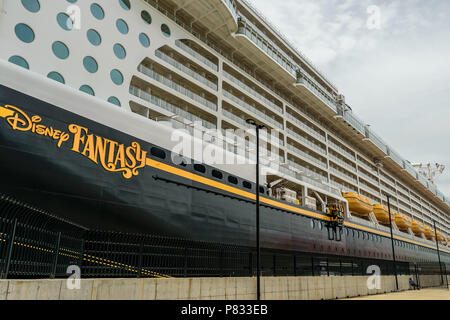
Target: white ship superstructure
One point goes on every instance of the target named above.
(219, 62)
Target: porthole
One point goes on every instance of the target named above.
(247, 185)
(122, 26)
(114, 101)
(87, 89)
(21, 62)
(232, 180)
(119, 51)
(94, 37)
(158, 153)
(116, 77)
(320, 225)
(312, 224)
(60, 50)
(217, 174)
(24, 33)
(90, 64)
(125, 4)
(31, 5)
(56, 76)
(199, 168)
(64, 21)
(261, 190)
(97, 11)
(146, 16)
(165, 30)
(144, 40)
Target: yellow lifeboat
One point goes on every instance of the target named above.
(358, 204)
(382, 214)
(429, 233)
(417, 228)
(403, 222)
(440, 237)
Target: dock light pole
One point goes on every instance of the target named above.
(258, 245)
(392, 240)
(438, 252)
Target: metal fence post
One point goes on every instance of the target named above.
(10, 250)
(141, 252)
(185, 260)
(55, 259)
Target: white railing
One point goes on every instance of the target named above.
(196, 55)
(306, 142)
(186, 70)
(252, 109)
(341, 162)
(342, 150)
(170, 107)
(175, 86)
(303, 154)
(305, 127)
(343, 175)
(253, 92)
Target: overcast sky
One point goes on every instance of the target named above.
(394, 74)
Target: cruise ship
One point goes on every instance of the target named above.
(92, 94)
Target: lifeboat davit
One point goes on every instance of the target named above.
(429, 233)
(358, 204)
(417, 228)
(382, 214)
(403, 222)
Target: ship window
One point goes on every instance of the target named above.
(261, 189)
(320, 225)
(64, 21)
(144, 40)
(217, 174)
(56, 76)
(146, 16)
(87, 89)
(165, 30)
(199, 168)
(312, 224)
(247, 184)
(117, 77)
(31, 5)
(24, 33)
(158, 153)
(97, 11)
(125, 4)
(72, 1)
(114, 101)
(19, 61)
(232, 180)
(60, 50)
(90, 64)
(94, 37)
(122, 26)
(119, 51)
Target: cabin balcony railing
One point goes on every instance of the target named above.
(306, 142)
(305, 127)
(303, 154)
(252, 109)
(232, 7)
(388, 181)
(355, 122)
(299, 176)
(364, 186)
(367, 177)
(255, 35)
(343, 175)
(175, 86)
(307, 171)
(367, 167)
(170, 107)
(341, 162)
(196, 55)
(342, 150)
(186, 70)
(252, 91)
(305, 79)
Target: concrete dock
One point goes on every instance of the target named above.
(423, 294)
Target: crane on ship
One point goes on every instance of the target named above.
(429, 171)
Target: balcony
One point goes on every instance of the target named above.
(196, 55)
(186, 70)
(340, 162)
(253, 109)
(343, 175)
(307, 171)
(369, 178)
(308, 157)
(170, 107)
(314, 147)
(305, 127)
(253, 92)
(341, 150)
(175, 86)
(314, 92)
(356, 123)
(274, 54)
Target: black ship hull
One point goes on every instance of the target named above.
(101, 178)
